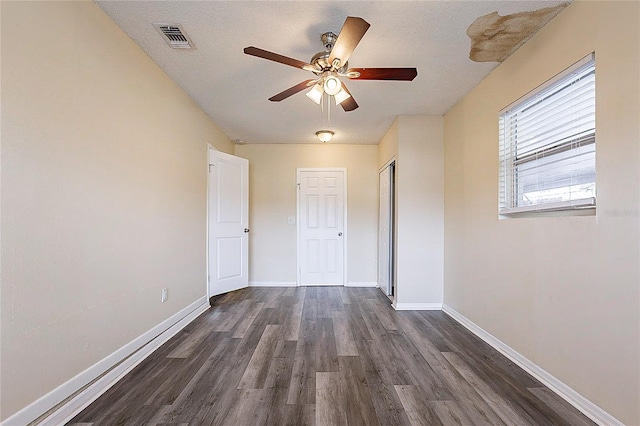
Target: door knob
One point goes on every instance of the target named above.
(246, 230)
(339, 234)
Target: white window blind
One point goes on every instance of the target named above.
(547, 145)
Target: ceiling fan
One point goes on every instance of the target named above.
(331, 64)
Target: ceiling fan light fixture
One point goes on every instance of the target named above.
(332, 85)
(324, 135)
(315, 94)
(341, 96)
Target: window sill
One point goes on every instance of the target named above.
(583, 207)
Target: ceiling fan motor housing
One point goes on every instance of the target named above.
(321, 62)
(321, 59)
(328, 40)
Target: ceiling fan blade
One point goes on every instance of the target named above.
(348, 104)
(350, 35)
(403, 74)
(265, 54)
(291, 91)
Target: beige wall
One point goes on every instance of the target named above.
(104, 177)
(420, 210)
(417, 143)
(272, 183)
(562, 291)
(388, 146)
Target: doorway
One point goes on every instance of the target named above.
(322, 213)
(386, 233)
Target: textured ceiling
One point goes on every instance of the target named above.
(233, 88)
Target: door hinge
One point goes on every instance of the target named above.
(210, 166)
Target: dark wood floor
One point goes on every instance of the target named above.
(326, 356)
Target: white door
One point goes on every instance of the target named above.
(385, 226)
(321, 226)
(228, 222)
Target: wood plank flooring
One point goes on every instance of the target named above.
(326, 356)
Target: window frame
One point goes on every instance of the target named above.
(509, 193)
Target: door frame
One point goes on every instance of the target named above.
(208, 230)
(345, 234)
(391, 290)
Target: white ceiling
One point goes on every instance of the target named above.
(233, 88)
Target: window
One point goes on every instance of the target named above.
(548, 145)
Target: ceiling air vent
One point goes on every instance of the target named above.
(175, 36)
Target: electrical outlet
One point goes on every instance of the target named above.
(165, 294)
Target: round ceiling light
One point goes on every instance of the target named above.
(324, 135)
(332, 85)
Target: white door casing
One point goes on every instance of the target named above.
(228, 222)
(321, 226)
(385, 261)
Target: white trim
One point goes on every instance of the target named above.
(207, 230)
(345, 252)
(559, 76)
(322, 285)
(388, 290)
(584, 203)
(387, 164)
(361, 284)
(272, 284)
(581, 403)
(106, 372)
(416, 306)
(298, 260)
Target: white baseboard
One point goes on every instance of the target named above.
(272, 284)
(581, 403)
(293, 284)
(361, 284)
(416, 306)
(109, 370)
